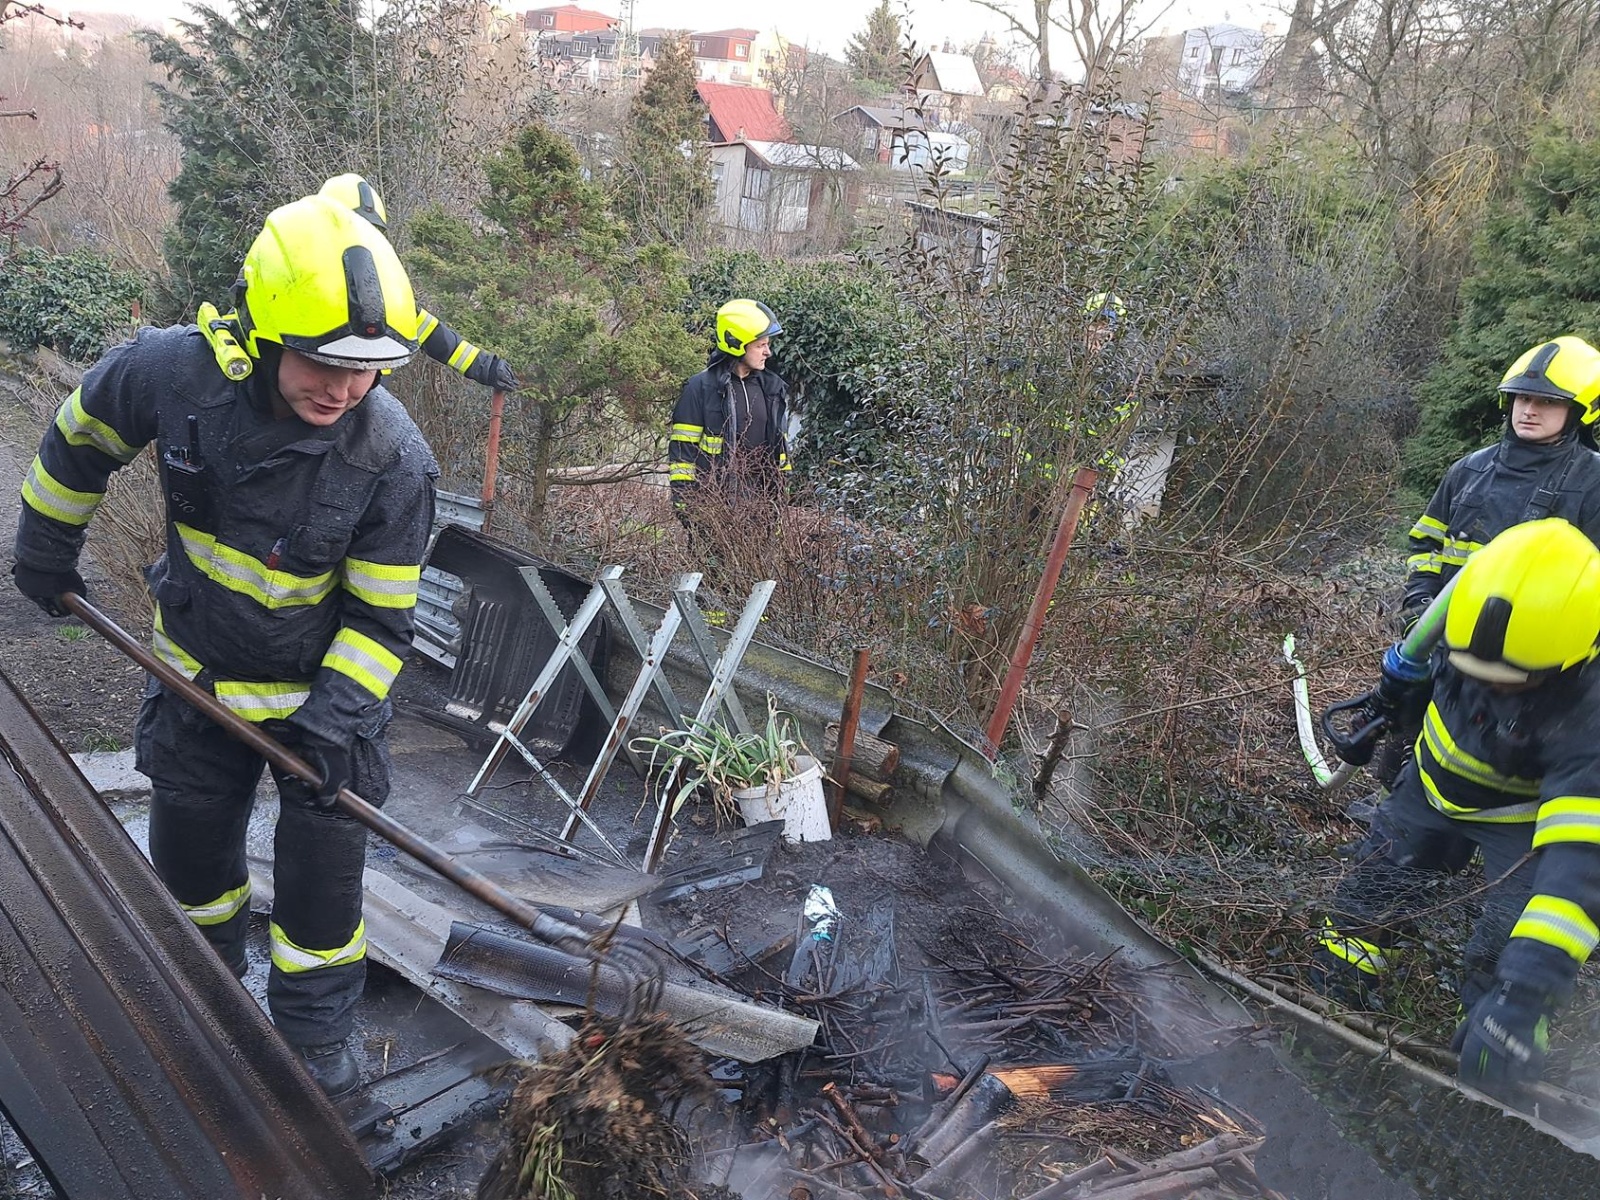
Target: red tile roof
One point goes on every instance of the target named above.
(742, 112)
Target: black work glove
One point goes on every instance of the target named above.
(1505, 1038)
(331, 760)
(493, 372)
(45, 588)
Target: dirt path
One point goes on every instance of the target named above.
(86, 693)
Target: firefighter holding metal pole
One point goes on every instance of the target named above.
(299, 497)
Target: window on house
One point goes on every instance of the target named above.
(1194, 51)
(740, 51)
(549, 20)
(1238, 56)
(694, 48)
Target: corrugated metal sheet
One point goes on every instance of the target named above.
(131, 1062)
(438, 629)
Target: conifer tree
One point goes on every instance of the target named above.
(266, 104)
(1534, 278)
(544, 276)
(874, 52)
(663, 182)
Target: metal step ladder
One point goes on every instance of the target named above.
(608, 597)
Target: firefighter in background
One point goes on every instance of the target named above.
(299, 501)
(1508, 762)
(1103, 313)
(439, 341)
(729, 434)
(1543, 465)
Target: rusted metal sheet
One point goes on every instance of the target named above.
(131, 1061)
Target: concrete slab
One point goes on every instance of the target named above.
(113, 775)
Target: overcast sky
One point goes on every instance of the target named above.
(827, 24)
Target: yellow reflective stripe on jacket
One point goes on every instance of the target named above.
(1430, 529)
(261, 701)
(463, 355)
(80, 429)
(1510, 814)
(1427, 564)
(1568, 819)
(224, 908)
(168, 651)
(687, 433)
(382, 585)
(44, 493)
(249, 576)
(366, 661)
(426, 324)
(680, 472)
(1456, 551)
(711, 445)
(1559, 923)
(1458, 762)
(1358, 952)
(293, 960)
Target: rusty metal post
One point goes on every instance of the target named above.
(491, 454)
(1082, 487)
(845, 751)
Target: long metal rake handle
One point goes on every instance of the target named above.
(643, 972)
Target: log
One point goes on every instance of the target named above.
(944, 1177)
(1166, 1187)
(873, 757)
(867, 789)
(1068, 1184)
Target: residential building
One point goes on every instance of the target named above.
(773, 56)
(779, 190)
(945, 85)
(566, 18)
(734, 113)
(899, 138)
(589, 59)
(725, 55)
(1221, 61)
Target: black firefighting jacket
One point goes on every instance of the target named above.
(1530, 757)
(705, 437)
(293, 552)
(1488, 492)
(443, 344)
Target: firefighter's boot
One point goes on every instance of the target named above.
(333, 1066)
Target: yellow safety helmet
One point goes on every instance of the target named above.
(1105, 306)
(359, 196)
(321, 281)
(740, 322)
(1565, 368)
(1527, 605)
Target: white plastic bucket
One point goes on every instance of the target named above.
(798, 802)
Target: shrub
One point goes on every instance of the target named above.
(76, 303)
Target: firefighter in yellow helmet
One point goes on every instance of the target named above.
(1543, 465)
(1508, 762)
(299, 499)
(729, 437)
(439, 342)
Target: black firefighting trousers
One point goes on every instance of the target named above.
(204, 785)
(1409, 845)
